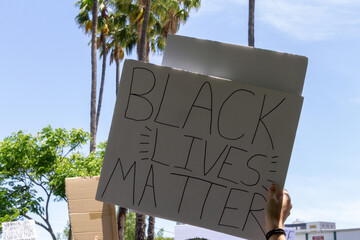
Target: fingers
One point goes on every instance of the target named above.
(286, 203)
(273, 191)
(286, 193)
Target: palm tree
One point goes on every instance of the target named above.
(251, 37)
(121, 222)
(93, 75)
(151, 227)
(122, 36)
(140, 227)
(83, 19)
(101, 25)
(166, 18)
(144, 30)
(104, 30)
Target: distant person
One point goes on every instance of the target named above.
(277, 209)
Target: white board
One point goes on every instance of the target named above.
(186, 232)
(197, 149)
(19, 230)
(290, 233)
(269, 69)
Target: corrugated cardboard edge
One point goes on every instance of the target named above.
(97, 219)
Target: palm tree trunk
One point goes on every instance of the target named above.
(121, 222)
(70, 233)
(140, 227)
(117, 81)
(251, 37)
(140, 218)
(93, 77)
(147, 51)
(102, 82)
(142, 47)
(151, 227)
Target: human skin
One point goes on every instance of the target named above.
(277, 209)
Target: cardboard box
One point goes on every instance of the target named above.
(89, 218)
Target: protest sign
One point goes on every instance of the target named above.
(89, 218)
(290, 233)
(19, 230)
(197, 149)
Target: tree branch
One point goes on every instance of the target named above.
(36, 183)
(47, 206)
(71, 150)
(38, 223)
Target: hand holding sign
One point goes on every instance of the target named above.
(277, 209)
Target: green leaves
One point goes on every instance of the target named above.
(122, 20)
(41, 162)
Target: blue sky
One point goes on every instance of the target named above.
(45, 79)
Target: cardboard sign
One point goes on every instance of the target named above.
(274, 70)
(19, 230)
(197, 149)
(89, 218)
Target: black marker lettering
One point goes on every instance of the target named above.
(254, 170)
(227, 163)
(155, 144)
(231, 208)
(133, 166)
(188, 155)
(160, 107)
(136, 115)
(207, 108)
(199, 179)
(151, 171)
(251, 211)
(220, 123)
(260, 120)
(205, 159)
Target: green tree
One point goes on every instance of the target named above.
(121, 36)
(130, 225)
(165, 16)
(66, 232)
(33, 169)
(160, 235)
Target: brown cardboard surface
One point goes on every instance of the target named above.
(79, 190)
(89, 236)
(88, 217)
(85, 205)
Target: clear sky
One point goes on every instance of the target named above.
(45, 79)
